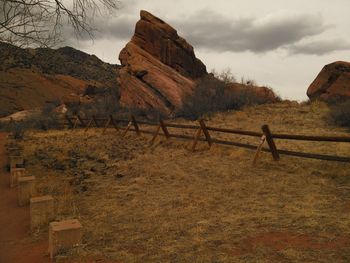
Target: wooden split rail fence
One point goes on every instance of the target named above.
(266, 135)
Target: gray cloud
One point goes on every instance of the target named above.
(320, 47)
(212, 31)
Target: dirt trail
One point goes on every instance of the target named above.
(15, 243)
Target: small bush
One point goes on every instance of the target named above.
(340, 113)
(212, 95)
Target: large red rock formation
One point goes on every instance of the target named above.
(333, 81)
(159, 67)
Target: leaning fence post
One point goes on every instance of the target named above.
(69, 121)
(196, 138)
(88, 125)
(127, 128)
(113, 123)
(95, 121)
(135, 125)
(258, 150)
(106, 126)
(270, 142)
(75, 123)
(155, 135)
(206, 132)
(164, 128)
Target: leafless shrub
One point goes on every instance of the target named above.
(212, 95)
(340, 113)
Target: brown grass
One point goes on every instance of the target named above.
(167, 204)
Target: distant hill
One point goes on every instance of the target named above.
(31, 77)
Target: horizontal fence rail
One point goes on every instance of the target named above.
(162, 130)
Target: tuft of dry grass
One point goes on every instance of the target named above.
(166, 204)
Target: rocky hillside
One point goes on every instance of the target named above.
(31, 77)
(158, 72)
(333, 81)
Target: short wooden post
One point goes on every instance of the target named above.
(16, 173)
(206, 132)
(196, 138)
(270, 142)
(26, 189)
(16, 161)
(41, 211)
(258, 150)
(64, 236)
(137, 129)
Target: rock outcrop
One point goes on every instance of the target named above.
(29, 78)
(159, 68)
(332, 82)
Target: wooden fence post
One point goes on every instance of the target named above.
(69, 121)
(106, 126)
(113, 123)
(196, 138)
(270, 142)
(133, 120)
(164, 128)
(81, 121)
(95, 121)
(206, 132)
(88, 125)
(127, 128)
(155, 135)
(75, 123)
(258, 150)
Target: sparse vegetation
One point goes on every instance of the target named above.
(168, 204)
(340, 113)
(213, 95)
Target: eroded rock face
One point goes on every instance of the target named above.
(333, 81)
(159, 68)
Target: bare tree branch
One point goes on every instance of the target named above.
(39, 22)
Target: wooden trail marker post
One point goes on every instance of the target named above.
(164, 129)
(270, 142)
(258, 150)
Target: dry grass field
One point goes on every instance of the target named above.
(167, 204)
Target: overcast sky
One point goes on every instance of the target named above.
(281, 44)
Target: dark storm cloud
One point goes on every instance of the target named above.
(319, 48)
(212, 31)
